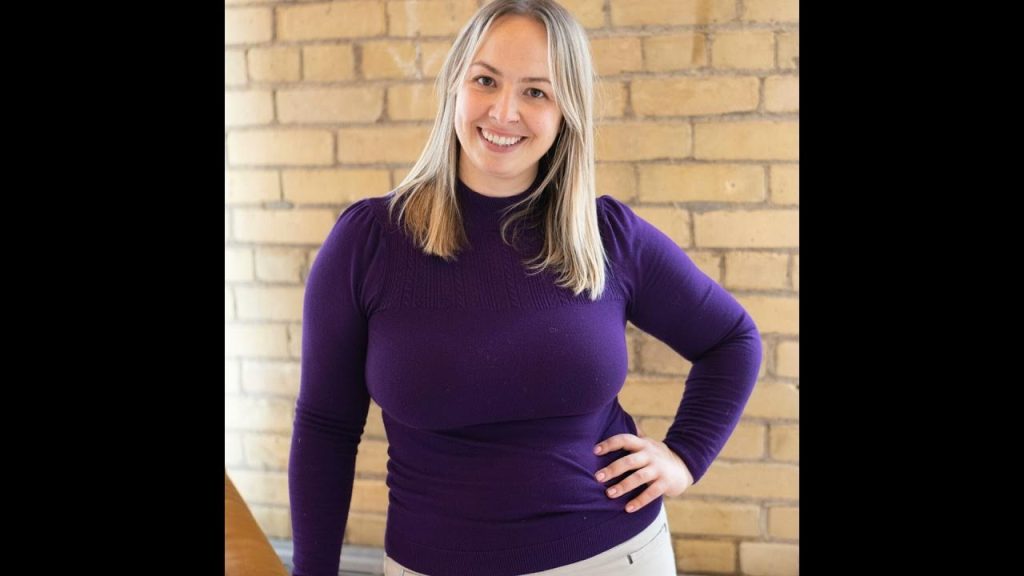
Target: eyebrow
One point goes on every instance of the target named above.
(498, 73)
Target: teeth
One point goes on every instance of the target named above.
(499, 140)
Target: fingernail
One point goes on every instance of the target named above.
(630, 508)
(597, 449)
(600, 475)
(611, 491)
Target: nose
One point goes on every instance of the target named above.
(504, 108)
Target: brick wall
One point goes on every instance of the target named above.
(330, 102)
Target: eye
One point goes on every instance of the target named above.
(536, 93)
(484, 81)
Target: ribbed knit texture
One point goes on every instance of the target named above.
(495, 386)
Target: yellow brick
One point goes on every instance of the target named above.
(589, 13)
(316, 105)
(674, 222)
(233, 2)
(757, 271)
(796, 273)
(310, 258)
(374, 423)
(330, 20)
(232, 377)
(762, 371)
(694, 96)
(232, 449)
(229, 304)
(643, 141)
(787, 359)
(779, 314)
(789, 50)
(771, 10)
(334, 186)
(713, 518)
(769, 559)
(433, 55)
(784, 522)
(369, 495)
(252, 186)
(372, 145)
(412, 102)
(651, 396)
(261, 487)
(782, 94)
(255, 340)
(283, 226)
(258, 414)
(746, 480)
(651, 427)
(248, 108)
(699, 556)
(773, 400)
(328, 63)
(227, 225)
(743, 49)
(428, 17)
(290, 147)
(234, 68)
(785, 442)
(295, 340)
(747, 229)
(611, 100)
(785, 184)
(656, 357)
(746, 443)
(389, 59)
(641, 12)
(701, 183)
(675, 52)
(617, 181)
(372, 458)
(247, 25)
(267, 451)
(399, 173)
(238, 265)
(631, 351)
(709, 263)
(280, 264)
(277, 64)
(275, 521)
(617, 54)
(365, 529)
(751, 140)
(274, 378)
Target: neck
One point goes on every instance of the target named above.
(496, 186)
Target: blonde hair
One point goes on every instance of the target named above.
(426, 199)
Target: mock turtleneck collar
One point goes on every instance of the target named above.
(471, 200)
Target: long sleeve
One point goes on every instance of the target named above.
(674, 301)
(333, 400)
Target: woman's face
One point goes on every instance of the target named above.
(506, 117)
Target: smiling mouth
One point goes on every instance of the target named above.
(500, 141)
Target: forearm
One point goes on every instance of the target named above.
(320, 477)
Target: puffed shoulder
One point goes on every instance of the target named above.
(359, 223)
(351, 255)
(615, 214)
(619, 226)
(361, 214)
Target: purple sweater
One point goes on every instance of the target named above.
(495, 386)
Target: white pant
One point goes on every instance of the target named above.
(649, 553)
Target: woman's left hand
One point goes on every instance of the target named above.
(654, 462)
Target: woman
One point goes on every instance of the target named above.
(482, 304)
